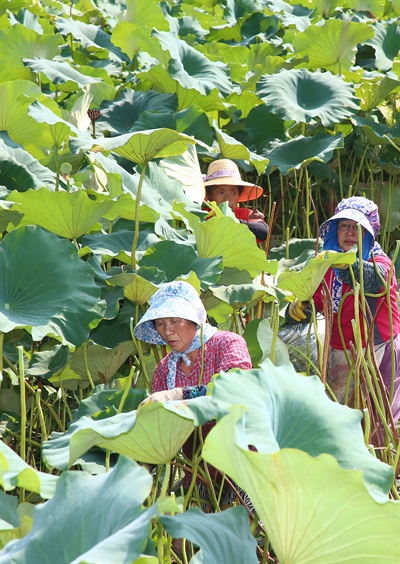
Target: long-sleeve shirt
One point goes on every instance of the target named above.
(378, 306)
(225, 350)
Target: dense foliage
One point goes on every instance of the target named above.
(110, 112)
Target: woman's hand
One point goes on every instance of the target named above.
(256, 215)
(163, 396)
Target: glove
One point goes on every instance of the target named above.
(163, 396)
(256, 215)
(297, 311)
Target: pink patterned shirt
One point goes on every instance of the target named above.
(223, 351)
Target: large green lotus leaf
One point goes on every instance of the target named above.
(17, 42)
(377, 133)
(154, 434)
(263, 127)
(62, 74)
(164, 255)
(332, 46)
(46, 287)
(271, 345)
(48, 362)
(305, 282)
(159, 78)
(140, 147)
(137, 41)
(32, 136)
(68, 214)
(294, 248)
(8, 512)
(232, 240)
(118, 244)
(220, 536)
(244, 295)
(191, 68)
(102, 363)
(92, 38)
(302, 96)
(287, 410)
(20, 171)
(125, 206)
(146, 13)
(386, 42)
(302, 150)
(78, 524)
(43, 114)
(137, 289)
(15, 473)
(231, 148)
(377, 7)
(253, 345)
(185, 169)
(121, 114)
(102, 400)
(312, 509)
(372, 94)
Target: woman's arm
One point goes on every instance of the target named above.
(372, 276)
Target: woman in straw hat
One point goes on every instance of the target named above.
(382, 320)
(223, 183)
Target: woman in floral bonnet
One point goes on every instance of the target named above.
(177, 318)
(340, 233)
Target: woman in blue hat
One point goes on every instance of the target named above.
(382, 322)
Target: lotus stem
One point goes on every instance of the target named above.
(137, 216)
(41, 416)
(126, 389)
(22, 447)
(1, 356)
(138, 346)
(85, 360)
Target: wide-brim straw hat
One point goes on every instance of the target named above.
(225, 171)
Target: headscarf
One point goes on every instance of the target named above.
(366, 213)
(175, 299)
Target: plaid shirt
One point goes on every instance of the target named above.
(223, 351)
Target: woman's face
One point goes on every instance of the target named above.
(178, 333)
(347, 233)
(225, 193)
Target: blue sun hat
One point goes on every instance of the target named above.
(362, 211)
(175, 299)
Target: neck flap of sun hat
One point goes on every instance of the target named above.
(175, 299)
(362, 211)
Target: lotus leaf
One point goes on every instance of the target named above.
(300, 95)
(232, 240)
(313, 510)
(220, 536)
(334, 46)
(286, 410)
(15, 473)
(120, 535)
(68, 214)
(304, 283)
(153, 434)
(47, 288)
